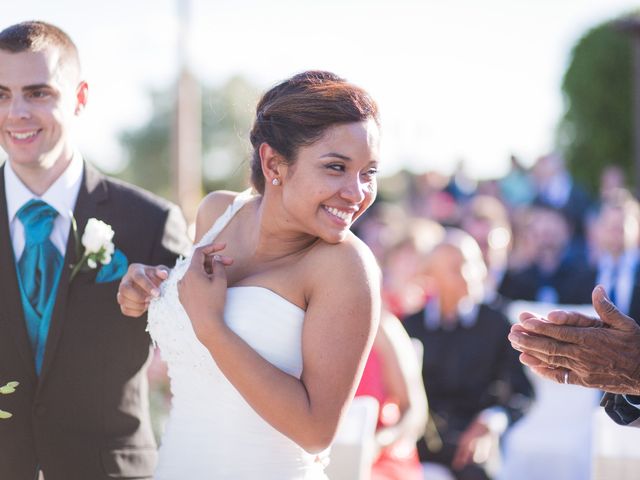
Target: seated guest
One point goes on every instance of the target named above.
(401, 260)
(516, 187)
(486, 219)
(475, 383)
(554, 275)
(612, 178)
(556, 188)
(615, 233)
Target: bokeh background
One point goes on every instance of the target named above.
(474, 98)
(458, 81)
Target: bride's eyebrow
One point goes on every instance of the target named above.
(336, 155)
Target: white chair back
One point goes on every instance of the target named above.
(615, 449)
(353, 448)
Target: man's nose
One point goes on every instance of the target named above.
(18, 108)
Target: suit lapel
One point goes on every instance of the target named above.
(11, 313)
(92, 192)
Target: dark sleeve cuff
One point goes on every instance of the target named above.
(620, 410)
(633, 400)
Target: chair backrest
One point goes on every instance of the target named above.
(419, 348)
(614, 449)
(353, 448)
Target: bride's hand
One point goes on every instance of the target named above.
(203, 288)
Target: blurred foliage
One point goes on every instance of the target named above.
(597, 127)
(227, 116)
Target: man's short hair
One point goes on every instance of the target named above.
(35, 36)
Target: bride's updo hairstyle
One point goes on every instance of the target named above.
(298, 111)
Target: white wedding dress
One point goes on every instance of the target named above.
(212, 432)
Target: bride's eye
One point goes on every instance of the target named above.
(336, 167)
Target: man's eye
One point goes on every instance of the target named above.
(39, 94)
(336, 167)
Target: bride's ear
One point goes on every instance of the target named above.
(271, 163)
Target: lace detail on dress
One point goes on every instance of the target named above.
(167, 318)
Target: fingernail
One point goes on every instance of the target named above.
(217, 258)
(514, 337)
(155, 292)
(163, 273)
(605, 298)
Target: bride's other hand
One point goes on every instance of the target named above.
(203, 288)
(139, 285)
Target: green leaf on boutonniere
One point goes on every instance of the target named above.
(9, 388)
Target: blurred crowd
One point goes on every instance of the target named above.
(454, 254)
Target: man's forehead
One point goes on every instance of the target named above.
(33, 67)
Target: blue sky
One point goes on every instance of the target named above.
(455, 79)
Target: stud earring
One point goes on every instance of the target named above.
(275, 182)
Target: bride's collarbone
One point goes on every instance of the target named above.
(265, 274)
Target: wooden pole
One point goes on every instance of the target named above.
(187, 130)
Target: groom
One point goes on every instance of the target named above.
(81, 410)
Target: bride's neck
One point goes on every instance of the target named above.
(270, 239)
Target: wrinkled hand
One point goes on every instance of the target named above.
(473, 447)
(139, 285)
(203, 288)
(602, 354)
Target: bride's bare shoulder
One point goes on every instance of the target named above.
(347, 262)
(211, 207)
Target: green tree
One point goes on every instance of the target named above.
(227, 115)
(596, 129)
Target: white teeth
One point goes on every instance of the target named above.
(23, 136)
(346, 216)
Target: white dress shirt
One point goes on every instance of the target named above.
(61, 195)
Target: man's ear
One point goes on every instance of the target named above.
(82, 95)
(272, 164)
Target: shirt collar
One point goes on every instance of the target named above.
(466, 318)
(61, 195)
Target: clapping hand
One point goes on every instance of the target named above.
(570, 347)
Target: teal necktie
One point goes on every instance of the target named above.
(39, 270)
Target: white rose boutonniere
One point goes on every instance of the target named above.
(98, 245)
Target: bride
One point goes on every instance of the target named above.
(266, 325)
